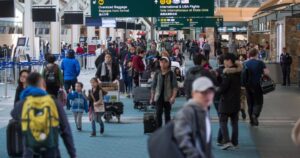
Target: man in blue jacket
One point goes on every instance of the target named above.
(71, 70)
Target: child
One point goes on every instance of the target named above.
(129, 78)
(96, 106)
(77, 101)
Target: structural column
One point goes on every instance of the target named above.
(75, 29)
(103, 35)
(112, 33)
(90, 33)
(55, 31)
(29, 27)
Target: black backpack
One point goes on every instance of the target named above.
(51, 75)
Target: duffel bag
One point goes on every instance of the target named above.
(267, 84)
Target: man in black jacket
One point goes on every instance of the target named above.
(286, 62)
(229, 106)
(195, 72)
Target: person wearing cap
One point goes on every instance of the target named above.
(192, 126)
(164, 90)
(229, 105)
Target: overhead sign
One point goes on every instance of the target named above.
(151, 8)
(180, 23)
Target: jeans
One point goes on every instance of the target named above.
(234, 117)
(163, 107)
(255, 100)
(220, 136)
(97, 117)
(52, 90)
(129, 84)
(206, 53)
(70, 83)
(78, 119)
(136, 78)
(286, 71)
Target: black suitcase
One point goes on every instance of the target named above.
(141, 97)
(14, 139)
(149, 122)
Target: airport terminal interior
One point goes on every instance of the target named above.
(137, 53)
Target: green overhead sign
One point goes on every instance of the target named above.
(151, 8)
(181, 23)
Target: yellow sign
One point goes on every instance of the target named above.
(162, 2)
(101, 2)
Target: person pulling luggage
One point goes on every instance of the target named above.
(164, 91)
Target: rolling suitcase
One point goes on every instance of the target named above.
(141, 97)
(149, 122)
(14, 139)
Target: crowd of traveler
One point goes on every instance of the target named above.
(203, 86)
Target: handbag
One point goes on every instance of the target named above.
(267, 84)
(162, 144)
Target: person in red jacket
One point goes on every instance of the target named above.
(138, 65)
(79, 50)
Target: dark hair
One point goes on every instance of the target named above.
(78, 45)
(20, 74)
(80, 83)
(94, 79)
(253, 52)
(140, 50)
(198, 58)
(71, 53)
(177, 68)
(50, 58)
(33, 79)
(221, 59)
(230, 56)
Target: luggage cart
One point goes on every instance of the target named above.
(113, 106)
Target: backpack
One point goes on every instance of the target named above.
(40, 123)
(206, 47)
(51, 75)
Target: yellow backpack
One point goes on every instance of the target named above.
(40, 122)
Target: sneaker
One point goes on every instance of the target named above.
(79, 129)
(219, 144)
(93, 134)
(226, 146)
(235, 147)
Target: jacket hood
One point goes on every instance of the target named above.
(237, 68)
(32, 91)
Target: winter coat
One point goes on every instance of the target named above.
(230, 90)
(97, 98)
(71, 69)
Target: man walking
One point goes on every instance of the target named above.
(48, 117)
(192, 127)
(254, 70)
(286, 62)
(164, 91)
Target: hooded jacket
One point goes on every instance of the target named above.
(71, 69)
(65, 130)
(230, 89)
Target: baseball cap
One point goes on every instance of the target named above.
(165, 58)
(202, 84)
